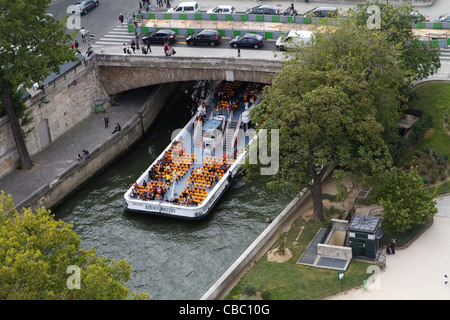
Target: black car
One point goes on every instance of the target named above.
(159, 36)
(264, 9)
(249, 40)
(85, 6)
(206, 36)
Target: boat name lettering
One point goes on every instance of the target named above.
(170, 210)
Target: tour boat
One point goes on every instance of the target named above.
(200, 163)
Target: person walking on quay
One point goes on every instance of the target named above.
(106, 119)
(445, 279)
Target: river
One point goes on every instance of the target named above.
(171, 259)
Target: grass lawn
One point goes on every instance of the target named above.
(290, 281)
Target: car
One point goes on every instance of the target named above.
(417, 17)
(249, 40)
(222, 9)
(322, 12)
(85, 6)
(159, 36)
(185, 7)
(264, 9)
(292, 39)
(209, 37)
(443, 18)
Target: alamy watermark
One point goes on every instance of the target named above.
(212, 143)
(74, 19)
(374, 20)
(374, 281)
(73, 281)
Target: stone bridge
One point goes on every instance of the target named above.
(119, 73)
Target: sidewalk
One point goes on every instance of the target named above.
(62, 153)
(416, 272)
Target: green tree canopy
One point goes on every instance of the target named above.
(36, 251)
(420, 60)
(325, 119)
(406, 203)
(31, 47)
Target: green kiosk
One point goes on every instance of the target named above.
(364, 234)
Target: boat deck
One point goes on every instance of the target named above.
(185, 173)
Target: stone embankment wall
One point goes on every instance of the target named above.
(103, 154)
(68, 100)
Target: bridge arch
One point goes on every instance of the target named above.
(119, 73)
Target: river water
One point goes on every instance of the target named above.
(171, 259)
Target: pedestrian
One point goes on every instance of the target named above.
(239, 52)
(79, 157)
(86, 154)
(133, 46)
(106, 119)
(83, 34)
(393, 244)
(117, 128)
(76, 44)
(72, 46)
(41, 86)
(121, 18)
(445, 279)
(124, 48)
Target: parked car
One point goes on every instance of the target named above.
(85, 6)
(264, 9)
(209, 37)
(293, 38)
(322, 12)
(159, 36)
(188, 7)
(222, 9)
(249, 40)
(443, 18)
(417, 17)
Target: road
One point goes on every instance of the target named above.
(103, 21)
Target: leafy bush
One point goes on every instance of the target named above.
(266, 295)
(425, 179)
(248, 290)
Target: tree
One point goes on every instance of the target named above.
(369, 56)
(36, 252)
(31, 47)
(406, 203)
(419, 59)
(325, 119)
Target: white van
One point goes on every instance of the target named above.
(293, 38)
(185, 7)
